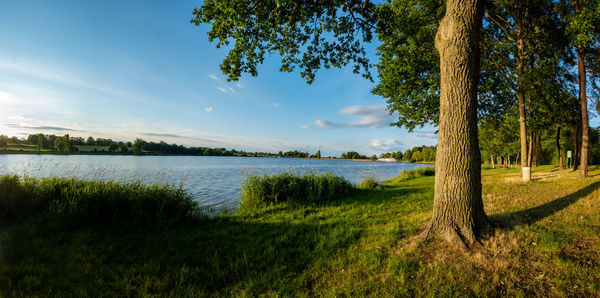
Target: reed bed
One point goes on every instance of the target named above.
(94, 202)
(262, 191)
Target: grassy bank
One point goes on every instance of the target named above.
(547, 243)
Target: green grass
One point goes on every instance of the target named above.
(26, 147)
(408, 175)
(361, 244)
(369, 183)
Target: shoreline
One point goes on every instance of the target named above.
(18, 152)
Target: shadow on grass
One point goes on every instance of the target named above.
(211, 257)
(532, 215)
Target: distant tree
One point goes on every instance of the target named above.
(90, 141)
(398, 156)
(113, 147)
(417, 155)
(138, 145)
(61, 144)
(3, 141)
(408, 155)
(353, 155)
(122, 147)
(40, 141)
(426, 154)
(318, 155)
(373, 157)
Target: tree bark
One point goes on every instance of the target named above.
(521, 95)
(458, 214)
(492, 158)
(583, 171)
(529, 159)
(537, 148)
(560, 155)
(576, 146)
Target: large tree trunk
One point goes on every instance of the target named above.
(526, 175)
(560, 155)
(584, 116)
(458, 214)
(492, 158)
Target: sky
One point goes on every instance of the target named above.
(140, 69)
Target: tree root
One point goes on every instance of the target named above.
(465, 240)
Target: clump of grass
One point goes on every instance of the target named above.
(408, 175)
(259, 192)
(369, 183)
(94, 202)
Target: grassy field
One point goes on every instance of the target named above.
(26, 147)
(547, 243)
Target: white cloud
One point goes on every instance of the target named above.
(231, 89)
(426, 134)
(223, 90)
(209, 109)
(239, 85)
(212, 76)
(305, 126)
(386, 144)
(276, 104)
(369, 117)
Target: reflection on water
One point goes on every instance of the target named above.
(213, 180)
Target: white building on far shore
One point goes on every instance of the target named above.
(388, 159)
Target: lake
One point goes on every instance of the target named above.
(213, 180)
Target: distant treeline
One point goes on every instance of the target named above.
(416, 154)
(66, 143)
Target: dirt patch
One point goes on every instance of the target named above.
(535, 176)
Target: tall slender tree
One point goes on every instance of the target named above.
(583, 27)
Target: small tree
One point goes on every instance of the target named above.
(3, 141)
(61, 144)
(40, 142)
(138, 146)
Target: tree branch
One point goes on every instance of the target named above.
(508, 35)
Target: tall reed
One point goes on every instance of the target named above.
(261, 191)
(94, 202)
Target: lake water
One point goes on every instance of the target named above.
(214, 181)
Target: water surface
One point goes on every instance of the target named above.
(213, 180)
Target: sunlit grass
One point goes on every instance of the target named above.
(547, 243)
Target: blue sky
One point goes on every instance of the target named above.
(128, 69)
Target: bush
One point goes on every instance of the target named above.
(94, 202)
(369, 183)
(258, 192)
(407, 175)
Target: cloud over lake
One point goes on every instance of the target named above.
(368, 117)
